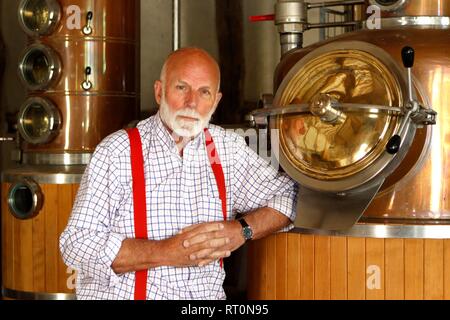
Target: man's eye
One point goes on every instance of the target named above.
(206, 93)
(180, 87)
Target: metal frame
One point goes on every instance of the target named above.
(57, 159)
(54, 124)
(54, 67)
(55, 16)
(37, 199)
(45, 174)
(25, 295)
(385, 231)
(422, 21)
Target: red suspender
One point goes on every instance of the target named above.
(140, 208)
(218, 173)
(139, 196)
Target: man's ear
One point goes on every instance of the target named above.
(218, 97)
(158, 87)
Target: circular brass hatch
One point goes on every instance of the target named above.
(39, 120)
(39, 17)
(40, 67)
(323, 151)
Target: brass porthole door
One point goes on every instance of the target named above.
(39, 67)
(348, 131)
(39, 17)
(39, 120)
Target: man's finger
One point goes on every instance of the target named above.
(212, 245)
(199, 235)
(210, 226)
(217, 255)
(208, 239)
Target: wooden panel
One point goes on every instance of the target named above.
(281, 266)
(23, 257)
(414, 273)
(447, 269)
(39, 252)
(322, 268)
(261, 259)
(307, 267)
(356, 281)
(293, 266)
(395, 269)
(65, 203)
(51, 237)
(338, 268)
(434, 269)
(7, 241)
(271, 268)
(375, 269)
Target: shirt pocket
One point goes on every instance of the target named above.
(209, 209)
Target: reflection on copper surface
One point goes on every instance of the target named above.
(329, 151)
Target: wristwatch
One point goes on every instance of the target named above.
(247, 231)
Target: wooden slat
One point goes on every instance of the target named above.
(261, 258)
(23, 263)
(293, 266)
(414, 272)
(356, 280)
(51, 237)
(39, 252)
(447, 269)
(7, 241)
(65, 204)
(338, 268)
(375, 269)
(434, 269)
(281, 266)
(322, 268)
(307, 267)
(395, 269)
(271, 284)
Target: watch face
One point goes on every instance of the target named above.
(248, 233)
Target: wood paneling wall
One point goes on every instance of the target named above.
(30, 248)
(298, 266)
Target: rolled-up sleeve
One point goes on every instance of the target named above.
(258, 184)
(88, 243)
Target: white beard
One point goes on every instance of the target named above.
(183, 128)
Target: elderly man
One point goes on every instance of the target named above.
(154, 214)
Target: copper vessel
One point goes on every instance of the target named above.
(83, 61)
(80, 18)
(418, 189)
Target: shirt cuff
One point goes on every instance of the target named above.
(108, 255)
(285, 205)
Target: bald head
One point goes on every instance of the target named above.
(194, 58)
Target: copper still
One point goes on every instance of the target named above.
(363, 126)
(81, 69)
(343, 108)
(83, 64)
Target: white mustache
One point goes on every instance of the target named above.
(188, 112)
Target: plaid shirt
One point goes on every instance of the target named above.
(181, 191)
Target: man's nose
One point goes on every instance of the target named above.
(191, 99)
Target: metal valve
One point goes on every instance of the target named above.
(87, 84)
(87, 30)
